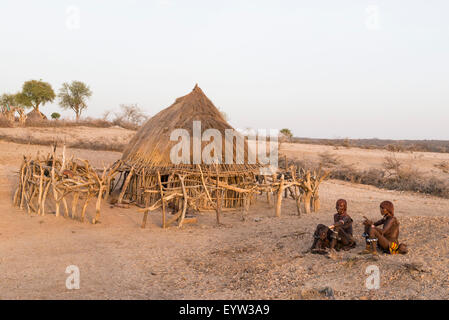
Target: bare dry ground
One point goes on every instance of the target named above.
(261, 258)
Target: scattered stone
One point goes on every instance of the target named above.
(314, 293)
(328, 292)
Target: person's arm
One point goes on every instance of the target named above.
(345, 221)
(380, 222)
(388, 226)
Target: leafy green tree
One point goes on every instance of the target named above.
(55, 115)
(74, 96)
(36, 93)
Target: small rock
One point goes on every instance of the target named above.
(328, 292)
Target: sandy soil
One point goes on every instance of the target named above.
(261, 258)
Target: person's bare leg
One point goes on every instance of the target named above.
(383, 242)
(346, 240)
(368, 248)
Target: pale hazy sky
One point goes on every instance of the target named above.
(324, 68)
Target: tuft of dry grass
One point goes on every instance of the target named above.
(443, 166)
(329, 160)
(89, 122)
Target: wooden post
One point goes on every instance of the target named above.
(74, 203)
(162, 198)
(298, 200)
(218, 205)
(63, 159)
(316, 202)
(125, 186)
(279, 197)
(308, 192)
(98, 204)
(307, 198)
(41, 190)
(184, 205)
(24, 181)
(44, 197)
(66, 207)
(53, 183)
(83, 212)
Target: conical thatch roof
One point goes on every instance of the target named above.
(35, 115)
(151, 145)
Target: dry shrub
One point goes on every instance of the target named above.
(97, 145)
(88, 122)
(392, 165)
(395, 148)
(130, 116)
(393, 176)
(346, 143)
(396, 177)
(329, 160)
(443, 166)
(305, 164)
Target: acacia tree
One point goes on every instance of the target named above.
(74, 96)
(287, 133)
(36, 93)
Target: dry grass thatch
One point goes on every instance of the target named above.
(151, 145)
(35, 115)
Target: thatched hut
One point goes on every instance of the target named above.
(148, 172)
(35, 116)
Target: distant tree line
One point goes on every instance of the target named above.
(37, 93)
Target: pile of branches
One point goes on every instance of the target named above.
(299, 184)
(47, 180)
